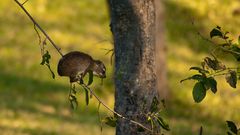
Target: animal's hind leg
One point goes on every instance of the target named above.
(80, 77)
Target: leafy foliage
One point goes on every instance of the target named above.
(155, 105)
(72, 97)
(46, 61)
(203, 84)
(162, 123)
(232, 128)
(46, 58)
(200, 70)
(212, 66)
(235, 52)
(216, 32)
(86, 95)
(155, 118)
(199, 92)
(110, 121)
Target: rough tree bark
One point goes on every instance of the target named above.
(133, 24)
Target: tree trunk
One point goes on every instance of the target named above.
(133, 27)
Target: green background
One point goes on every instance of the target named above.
(32, 103)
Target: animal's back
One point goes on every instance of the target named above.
(74, 62)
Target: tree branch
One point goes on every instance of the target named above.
(39, 27)
(108, 108)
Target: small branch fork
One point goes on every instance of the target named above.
(38, 26)
(114, 112)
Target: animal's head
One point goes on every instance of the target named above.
(99, 69)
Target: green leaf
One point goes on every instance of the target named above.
(211, 83)
(216, 32)
(110, 121)
(73, 101)
(199, 92)
(90, 78)
(46, 58)
(86, 96)
(46, 61)
(163, 124)
(152, 122)
(231, 78)
(200, 70)
(235, 52)
(197, 77)
(154, 105)
(232, 127)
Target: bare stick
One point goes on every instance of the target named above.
(39, 37)
(119, 115)
(224, 49)
(24, 2)
(39, 27)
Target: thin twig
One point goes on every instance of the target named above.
(230, 51)
(219, 72)
(99, 116)
(211, 42)
(201, 131)
(108, 108)
(221, 47)
(39, 36)
(24, 2)
(39, 27)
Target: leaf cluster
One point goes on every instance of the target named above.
(46, 61)
(73, 93)
(232, 128)
(155, 118)
(227, 44)
(211, 67)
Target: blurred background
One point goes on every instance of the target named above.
(32, 103)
